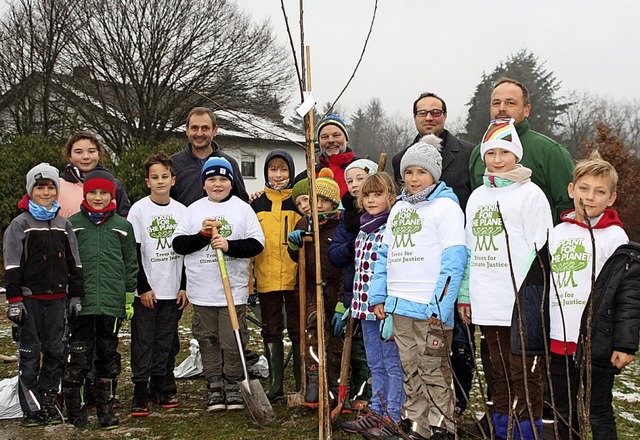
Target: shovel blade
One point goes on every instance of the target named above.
(257, 402)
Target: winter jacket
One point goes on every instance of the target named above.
(188, 169)
(455, 165)
(337, 163)
(549, 162)
(332, 277)
(41, 258)
(452, 262)
(71, 192)
(109, 260)
(342, 248)
(616, 309)
(278, 216)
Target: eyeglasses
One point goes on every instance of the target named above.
(435, 113)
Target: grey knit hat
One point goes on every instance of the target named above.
(425, 154)
(42, 171)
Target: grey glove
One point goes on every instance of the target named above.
(75, 307)
(17, 313)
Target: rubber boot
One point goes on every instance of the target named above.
(297, 365)
(104, 404)
(275, 356)
(76, 409)
(312, 396)
(139, 402)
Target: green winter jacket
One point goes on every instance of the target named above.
(550, 164)
(109, 261)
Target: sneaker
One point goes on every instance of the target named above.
(380, 433)
(31, 419)
(164, 400)
(360, 424)
(233, 397)
(139, 407)
(215, 397)
(441, 434)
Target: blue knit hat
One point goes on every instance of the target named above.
(332, 120)
(217, 166)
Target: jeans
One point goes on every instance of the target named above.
(387, 376)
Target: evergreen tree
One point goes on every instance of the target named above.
(543, 88)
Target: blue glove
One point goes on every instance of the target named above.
(339, 319)
(295, 239)
(74, 308)
(128, 306)
(386, 328)
(17, 313)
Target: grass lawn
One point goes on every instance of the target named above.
(190, 421)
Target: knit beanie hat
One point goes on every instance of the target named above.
(368, 165)
(99, 179)
(425, 154)
(502, 134)
(327, 187)
(332, 120)
(300, 188)
(217, 166)
(42, 171)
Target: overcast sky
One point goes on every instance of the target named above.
(445, 46)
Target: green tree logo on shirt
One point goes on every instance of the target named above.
(161, 228)
(485, 225)
(404, 224)
(225, 230)
(570, 256)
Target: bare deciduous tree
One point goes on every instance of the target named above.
(148, 61)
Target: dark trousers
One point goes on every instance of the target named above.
(508, 374)
(152, 332)
(93, 334)
(565, 390)
(462, 362)
(273, 320)
(41, 334)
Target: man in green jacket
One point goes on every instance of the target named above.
(550, 163)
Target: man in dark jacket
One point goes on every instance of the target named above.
(201, 129)
(430, 115)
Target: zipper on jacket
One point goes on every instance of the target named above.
(286, 230)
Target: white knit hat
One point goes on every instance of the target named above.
(42, 171)
(502, 134)
(368, 165)
(425, 154)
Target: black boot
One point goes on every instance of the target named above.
(76, 409)
(312, 396)
(275, 356)
(51, 412)
(297, 365)
(140, 401)
(104, 404)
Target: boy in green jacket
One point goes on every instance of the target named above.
(108, 254)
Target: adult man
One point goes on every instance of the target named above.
(334, 149)
(550, 162)
(429, 116)
(187, 164)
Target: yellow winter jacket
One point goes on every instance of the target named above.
(274, 268)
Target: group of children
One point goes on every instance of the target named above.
(397, 265)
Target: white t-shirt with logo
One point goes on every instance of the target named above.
(153, 227)
(571, 267)
(527, 218)
(204, 282)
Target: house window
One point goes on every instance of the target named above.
(248, 165)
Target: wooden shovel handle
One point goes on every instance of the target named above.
(227, 286)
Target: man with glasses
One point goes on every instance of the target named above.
(429, 115)
(550, 163)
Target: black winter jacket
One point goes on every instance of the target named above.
(616, 309)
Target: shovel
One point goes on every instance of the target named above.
(252, 391)
(345, 365)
